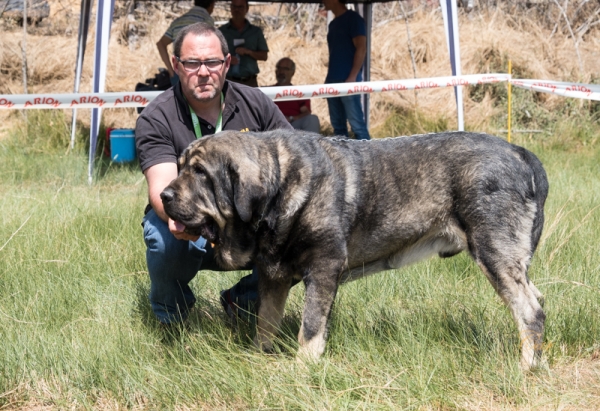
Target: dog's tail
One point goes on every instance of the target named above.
(540, 193)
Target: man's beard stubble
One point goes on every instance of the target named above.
(280, 79)
(203, 99)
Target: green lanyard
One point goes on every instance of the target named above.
(196, 122)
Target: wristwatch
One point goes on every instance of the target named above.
(291, 118)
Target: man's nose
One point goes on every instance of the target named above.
(203, 71)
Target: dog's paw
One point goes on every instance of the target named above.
(263, 344)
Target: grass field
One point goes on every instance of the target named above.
(77, 331)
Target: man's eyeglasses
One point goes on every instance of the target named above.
(192, 66)
(283, 68)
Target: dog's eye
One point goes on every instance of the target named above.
(198, 169)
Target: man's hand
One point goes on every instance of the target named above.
(242, 51)
(158, 177)
(351, 78)
(360, 42)
(177, 229)
(255, 54)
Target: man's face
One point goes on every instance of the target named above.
(329, 4)
(204, 84)
(238, 8)
(284, 72)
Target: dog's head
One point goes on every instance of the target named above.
(220, 192)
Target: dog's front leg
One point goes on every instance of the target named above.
(271, 304)
(321, 288)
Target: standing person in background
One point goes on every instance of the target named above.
(247, 45)
(347, 43)
(199, 13)
(297, 112)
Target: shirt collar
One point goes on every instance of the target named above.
(230, 99)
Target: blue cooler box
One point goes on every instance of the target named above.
(122, 145)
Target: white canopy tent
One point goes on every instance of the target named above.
(104, 17)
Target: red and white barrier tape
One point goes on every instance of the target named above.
(343, 89)
(141, 99)
(576, 90)
(81, 100)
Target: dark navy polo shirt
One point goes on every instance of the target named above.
(164, 129)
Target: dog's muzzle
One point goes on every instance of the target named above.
(207, 228)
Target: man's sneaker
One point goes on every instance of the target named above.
(228, 306)
(236, 312)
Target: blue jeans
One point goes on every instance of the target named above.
(173, 263)
(348, 108)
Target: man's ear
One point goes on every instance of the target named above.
(175, 65)
(227, 62)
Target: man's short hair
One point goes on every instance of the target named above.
(199, 29)
(203, 3)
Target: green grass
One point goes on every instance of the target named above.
(77, 330)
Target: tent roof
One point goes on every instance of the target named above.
(321, 1)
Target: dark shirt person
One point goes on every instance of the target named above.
(247, 45)
(297, 112)
(164, 129)
(199, 13)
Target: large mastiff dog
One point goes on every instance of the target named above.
(326, 210)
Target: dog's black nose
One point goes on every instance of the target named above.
(167, 195)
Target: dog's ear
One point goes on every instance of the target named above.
(249, 192)
(223, 190)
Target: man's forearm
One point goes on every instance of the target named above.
(357, 63)
(158, 177)
(259, 55)
(359, 57)
(158, 208)
(161, 45)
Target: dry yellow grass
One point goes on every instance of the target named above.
(488, 41)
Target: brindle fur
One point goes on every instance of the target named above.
(329, 210)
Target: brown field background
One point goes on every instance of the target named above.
(489, 37)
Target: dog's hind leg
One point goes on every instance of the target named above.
(271, 305)
(505, 266)
(319, 297)
(537, 293)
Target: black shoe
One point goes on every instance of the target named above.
(228, 305)
(236, 312)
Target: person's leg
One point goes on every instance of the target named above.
(337, 116)
(356, 118)
(309, 123)
(172, 264)
(240, 300)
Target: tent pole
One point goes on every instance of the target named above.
(103, 25)
(84, 25)
(368, 16)
(451, 25)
